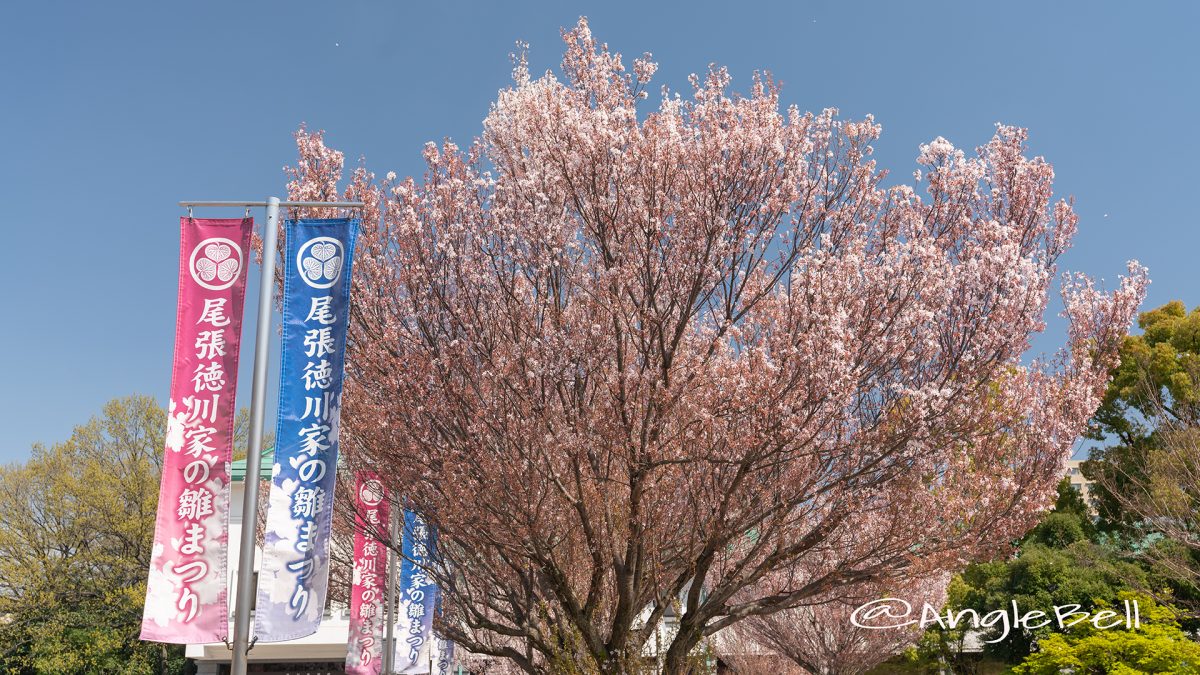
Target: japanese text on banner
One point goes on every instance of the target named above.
(294, 577)
(187, 590)
(416, 645)
(367, 616)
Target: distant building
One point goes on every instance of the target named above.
(1079, 481)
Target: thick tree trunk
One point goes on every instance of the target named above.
(676, 661)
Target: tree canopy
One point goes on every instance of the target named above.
(76, 526)
(1157, 383)
(1147, 475)
(632, 336)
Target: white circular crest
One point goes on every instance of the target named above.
(215, 263)
(320, 261)
(370, 493)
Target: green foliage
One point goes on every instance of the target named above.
(1164, 356)
(76, 528)
(1064, 560)
(1069, 522)
(1155, 382)
(940, 648)
(1060, 562)
(1158, 646)
(1058, 530)
(1147, 479)
(1041, 578)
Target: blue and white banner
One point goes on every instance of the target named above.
(417, 649)
(445, 661)
(294, 575)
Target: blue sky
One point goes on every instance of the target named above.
(113, 112)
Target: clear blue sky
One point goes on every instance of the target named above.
(114, 111)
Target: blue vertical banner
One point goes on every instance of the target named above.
(416, 651)
(445, 660)
(294, 574)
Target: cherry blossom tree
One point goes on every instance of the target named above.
(633, 361)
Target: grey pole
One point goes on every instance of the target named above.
(258, 399)
(389, 642)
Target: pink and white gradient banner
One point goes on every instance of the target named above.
(367, 616)
(187, 591)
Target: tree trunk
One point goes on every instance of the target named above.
(676, 662)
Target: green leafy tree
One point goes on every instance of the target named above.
(1070, 520)
(1064, 560)
(1147, 479)
(1155, 384)
(1159, 645)
(76, 529)
(1039, 579)
(1059, 562)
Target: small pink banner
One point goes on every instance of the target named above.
(186, 595)
(367, 618)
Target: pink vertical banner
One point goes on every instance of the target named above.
(187, 591)
(367, 616)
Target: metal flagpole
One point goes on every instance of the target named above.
(389, 642)
(258, 398)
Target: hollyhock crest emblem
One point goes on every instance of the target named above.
(370, 493)
(320, 261)
(215, 263)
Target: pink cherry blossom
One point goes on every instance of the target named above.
(610, 351)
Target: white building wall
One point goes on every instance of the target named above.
(1078, 481)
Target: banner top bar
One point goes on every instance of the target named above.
(331, 205)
